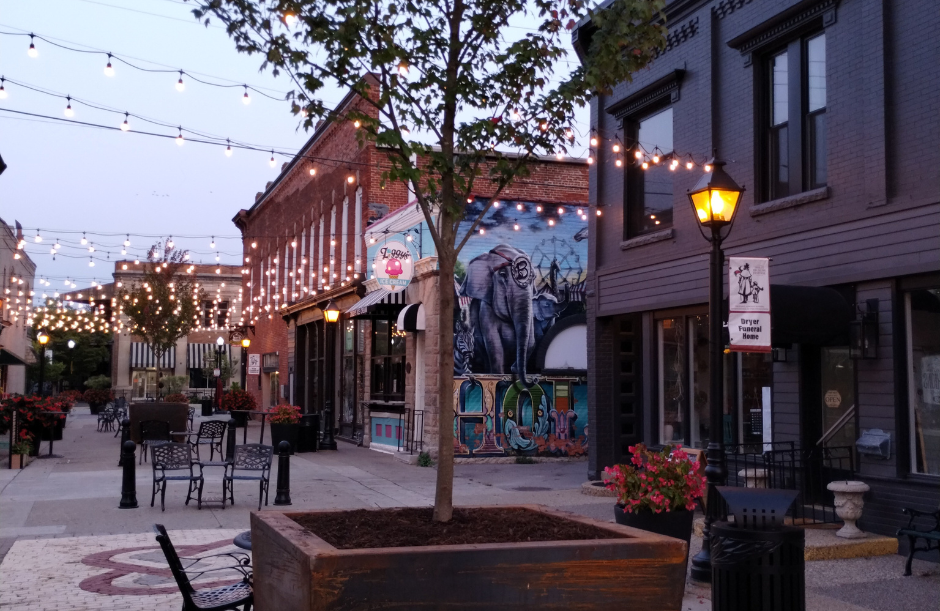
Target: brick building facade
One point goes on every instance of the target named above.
(310, 240)
(828, 113)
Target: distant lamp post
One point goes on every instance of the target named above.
(714, 198)
(43, 339)
(220, 343)
(330, 315)
(245, 343)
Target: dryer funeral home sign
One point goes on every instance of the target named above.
(749, 304)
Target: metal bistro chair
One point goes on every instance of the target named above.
(251, 462)
(175, 457)
(215, 599)
(192, 417)
(210, 434)
(153, 433)
(120, 413)
(106, 418)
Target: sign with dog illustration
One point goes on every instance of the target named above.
(749, 304)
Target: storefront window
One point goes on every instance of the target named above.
(755, 378)
(388, 361)
(923, 358)
(685, 386)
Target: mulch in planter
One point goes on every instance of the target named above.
(362, 528)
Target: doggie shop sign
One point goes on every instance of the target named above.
(749, 304)
(393, 264)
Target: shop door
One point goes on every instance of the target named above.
(348, 411)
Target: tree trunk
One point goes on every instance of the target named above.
(444, 492)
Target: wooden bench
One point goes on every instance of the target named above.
(930, 535)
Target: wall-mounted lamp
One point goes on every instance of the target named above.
(779, 355)
(863, 332)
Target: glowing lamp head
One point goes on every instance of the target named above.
(42, 338)
(331, 312)
(715, 197)
(219, 342)
(71, 343)
(246, 343)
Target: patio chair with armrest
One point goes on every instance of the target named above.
(106, 418)
(210, 434)
(251, 462)
(175, 458)
(928, 531)
(153, 433)
(230, 597)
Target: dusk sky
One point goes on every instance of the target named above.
(64, 179)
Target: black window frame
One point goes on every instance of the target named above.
(634, 200)
(802, 131)
(392, 363)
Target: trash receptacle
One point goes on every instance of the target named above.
(309, 433)
(206, 407)
(757, 561)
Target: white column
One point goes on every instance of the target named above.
(330, 280)
(358, 234)
(344, 231)
(320, 261)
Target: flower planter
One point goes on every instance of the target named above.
(17, 461)
(295, 569)
(676, 524)
(44, 433)
(96, 408)
(241, 419)
(849, 501)
(285, 432)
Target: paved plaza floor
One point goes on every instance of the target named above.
(65, 544)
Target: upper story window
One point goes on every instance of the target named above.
(649, 192)
(795, 118)
(214, 313)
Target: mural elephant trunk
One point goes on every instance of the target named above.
(501, 284)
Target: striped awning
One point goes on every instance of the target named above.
(142, 356)
(198, 354)
(376, 298)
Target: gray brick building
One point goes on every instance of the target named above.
(828, 112)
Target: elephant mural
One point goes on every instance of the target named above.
(500, 284)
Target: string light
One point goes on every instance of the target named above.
(125, 127)
(228, 149)
(593, 140)
(38, 237)
(91, 247)
(68, 109)
(482, 231)
(313, 171)
(289, 19)
(350, 179)
(169, 242)
(616, 148)
(618, 162)
(638, 154)
(356, 123)
(403, 69)
(32, 52)
(212, 245)
(180, 85)
(84, 239)
(109, 70)
(179, 138)
(272, 162)
(516, 226)
(689, 165)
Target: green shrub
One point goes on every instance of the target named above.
(101, 382)
(525, 460)
(174, 384)
(424, 460)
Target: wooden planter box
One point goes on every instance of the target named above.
(296, 570)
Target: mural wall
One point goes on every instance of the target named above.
(521, 276)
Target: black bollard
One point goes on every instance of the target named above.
(125, 437)
(230, 441)
(283, 474)
(129, 484)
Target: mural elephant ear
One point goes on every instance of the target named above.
(479, 283)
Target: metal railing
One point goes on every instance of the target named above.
(411, 423)
(785, 466)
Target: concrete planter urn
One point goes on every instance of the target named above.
(754, 478)
(849, 504)
(295, 569)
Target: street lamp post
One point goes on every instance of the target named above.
(714, 200)
(43, 340)
(245, 343)
(330, 316)
(218, 364)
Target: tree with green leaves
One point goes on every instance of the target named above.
(460, 97)
(165, 304)
(226, 366)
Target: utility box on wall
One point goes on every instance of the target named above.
(875, 443)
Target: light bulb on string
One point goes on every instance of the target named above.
(127, 241)
(109, 70)
(618, 162)
(515, 114)
(645, 165)
(91, 262)
(356, 124)
(38, 237)
(125, 127)
(179, 138)
(594, 141)
(707, 168)
(290, 19)
(689, 165)
(403, 69)
(638, 153)
(3, 92)
(91, 247)
(272, 163)
(559, 155)
(169, 242)
(57, 245)
(228, 149)
(246, 99)
(313, 171)
(68, 108)
(84, 239)
(212, 244)
(32, 52)
(180, 85)
(590, 159)
(616, 148)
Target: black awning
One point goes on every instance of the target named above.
(808, 315)
(8, 358)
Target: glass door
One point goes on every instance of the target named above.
(347, 412)
(837, 377)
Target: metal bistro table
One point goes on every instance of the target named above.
(263, 414)
(243, 540)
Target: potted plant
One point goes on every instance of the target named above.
(96, 398)
(657, 491)
(238, 403)
(285, 425)
(176, 397)
(20, 450)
